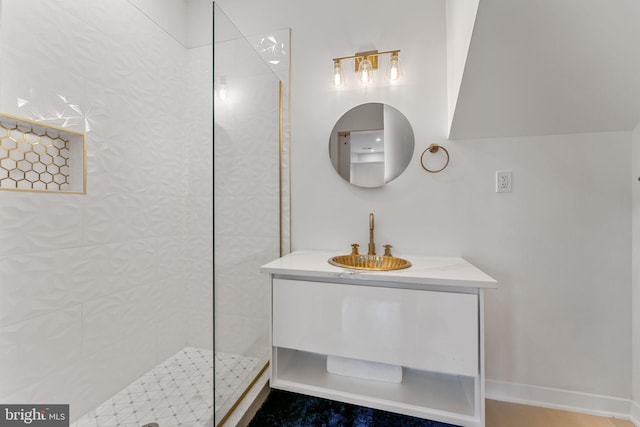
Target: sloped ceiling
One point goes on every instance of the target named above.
(543, 67)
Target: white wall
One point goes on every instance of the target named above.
(558, 245)
(635, 179)
(187, 21)
(168, 14)
(199, 23)
(461, 16)
(92, 287)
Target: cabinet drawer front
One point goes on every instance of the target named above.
(428, 330)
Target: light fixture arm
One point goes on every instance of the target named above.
(368, 53)
(371, 55)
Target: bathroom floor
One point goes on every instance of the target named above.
(178, 392)
(506, 414)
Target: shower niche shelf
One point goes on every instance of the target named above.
(41, 157)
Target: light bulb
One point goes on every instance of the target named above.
(221, 89)
(222, 92)
(394, 71)
(338, 78)
(366, 72)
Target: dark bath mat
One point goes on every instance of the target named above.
(286, 409)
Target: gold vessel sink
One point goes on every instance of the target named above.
(370, 262)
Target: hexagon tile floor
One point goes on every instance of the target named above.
(176, 393)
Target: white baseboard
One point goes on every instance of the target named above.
(548, 397)
(635, 413)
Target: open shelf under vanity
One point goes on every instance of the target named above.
(424, 394)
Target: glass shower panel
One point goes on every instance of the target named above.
(246, 209)
(114, 286)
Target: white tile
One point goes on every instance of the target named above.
(171, 334)
(200, 329)
(45, 287)
(93, 272)
(200, 214)
(113, 318)
(106, 216)
(86, 423)
(30, 224)
(37, 347)
(170, 253)
(118, 363)
(164, 394)
(233, 374)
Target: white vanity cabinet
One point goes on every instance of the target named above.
(427, 319)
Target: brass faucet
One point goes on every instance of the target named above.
(372, 245)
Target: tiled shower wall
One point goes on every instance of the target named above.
(200, 197)
(93, 288)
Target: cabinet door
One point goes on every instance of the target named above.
(427, 330)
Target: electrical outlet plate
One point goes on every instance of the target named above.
(504, 181)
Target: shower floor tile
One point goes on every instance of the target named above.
(233, 374)
(178, 392)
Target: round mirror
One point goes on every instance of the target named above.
(371, 145)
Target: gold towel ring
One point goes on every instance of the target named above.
(433, 148)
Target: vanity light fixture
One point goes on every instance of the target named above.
(338, 77)
(365, 72)
(222, 92)
(394, 71)
(221, 89)
(365, 64)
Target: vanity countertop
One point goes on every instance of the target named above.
(424, 270)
